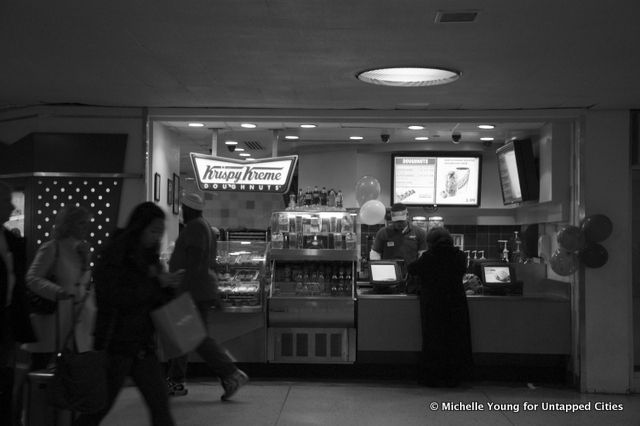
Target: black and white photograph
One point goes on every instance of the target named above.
(397, 213)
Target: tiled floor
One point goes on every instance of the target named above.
(353, 403)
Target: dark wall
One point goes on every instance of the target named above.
(64, 153)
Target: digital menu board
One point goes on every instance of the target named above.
(436, 178)
(518, 172)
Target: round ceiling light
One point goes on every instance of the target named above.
(409, 76)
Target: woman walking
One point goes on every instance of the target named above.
(130, 283)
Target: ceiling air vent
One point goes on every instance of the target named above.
(458, 16)
(253, 145)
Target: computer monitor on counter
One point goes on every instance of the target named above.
(497, 277)
(385, 273)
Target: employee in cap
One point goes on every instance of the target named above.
(400, 239)
(195, 252)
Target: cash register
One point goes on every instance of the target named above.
(387, 276)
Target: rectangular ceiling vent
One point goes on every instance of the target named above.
(253, 145)
(457, 16)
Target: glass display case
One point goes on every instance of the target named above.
(313, 253)
(241, 267)
(311, 305)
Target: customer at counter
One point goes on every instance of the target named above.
(446, 335)
(399, 240)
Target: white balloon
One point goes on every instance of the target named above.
(372, 212)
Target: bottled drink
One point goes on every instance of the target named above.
(341, 282)
(292, 201)
(339, 198)
(300, 200)
(347, 283)
(331, 198)
(321, 283)
(299, 284)
(316, 196)
(308, 197)
(323, 196)
(334, 283)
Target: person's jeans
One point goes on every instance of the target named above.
(209, 350)
(146, 372)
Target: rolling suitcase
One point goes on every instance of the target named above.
(39, 411)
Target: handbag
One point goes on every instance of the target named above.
(80, 378)
(41, 305)
(179, 326)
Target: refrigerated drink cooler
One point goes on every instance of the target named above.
(311, 302)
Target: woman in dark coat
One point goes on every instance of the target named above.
(446, 336)
(130, 283)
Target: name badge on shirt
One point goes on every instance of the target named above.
(390, 244)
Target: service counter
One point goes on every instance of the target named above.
(388, 325)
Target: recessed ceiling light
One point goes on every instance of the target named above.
(422, 138)
(356, 138)
(486, 126)
(248, 125)
(231, 143)
(308, 126)
(415, 127)
(409, 76)
(244, 154)
(196, 124)
(486, 139)
(291, 137)
(250, 159)
(239, 149)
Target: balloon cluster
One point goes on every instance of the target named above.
(372, 211)
(582, 245)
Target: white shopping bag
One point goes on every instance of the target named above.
(179, 326)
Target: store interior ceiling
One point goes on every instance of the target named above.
(303, 56)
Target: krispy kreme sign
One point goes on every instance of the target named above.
(227, 174)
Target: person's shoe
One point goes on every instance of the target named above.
(176, 389)
(232, 383)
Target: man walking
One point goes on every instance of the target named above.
(195, 252)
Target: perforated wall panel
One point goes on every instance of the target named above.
(101, 196)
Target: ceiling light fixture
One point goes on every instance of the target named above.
(244, 154)
(422, 138)
(231, 143)
(356, 138)
(409, 76)
(308, 126)
(486, 139)
(196, 124)
(415, 127)
(248, 125)
(292, 137)
(486, 126)
(240, 149)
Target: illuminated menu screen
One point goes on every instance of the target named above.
(509, 177)
(436, 180)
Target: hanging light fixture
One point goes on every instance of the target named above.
(409, 76)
